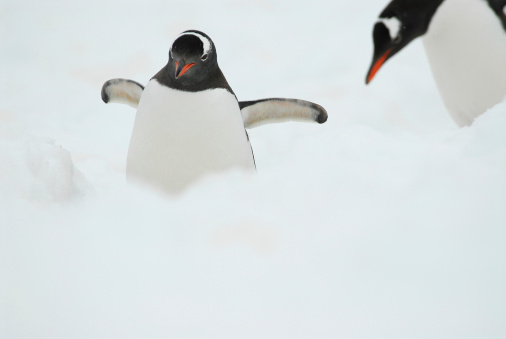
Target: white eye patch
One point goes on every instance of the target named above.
(504, 9)
(394, 26)
(205, 42)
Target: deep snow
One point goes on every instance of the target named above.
(387, 221)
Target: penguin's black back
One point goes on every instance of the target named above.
(416, 13)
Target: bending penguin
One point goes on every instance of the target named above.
(465, 42)
(188, 120)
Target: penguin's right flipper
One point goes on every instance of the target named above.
(122, 91)
(276, 110)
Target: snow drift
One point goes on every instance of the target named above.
(387, 221)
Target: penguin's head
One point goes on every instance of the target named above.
(192, 57)
(401, 22)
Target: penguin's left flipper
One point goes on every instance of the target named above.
(122, 91)
(275, 110)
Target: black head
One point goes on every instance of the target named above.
(401, 22)
(193, 64)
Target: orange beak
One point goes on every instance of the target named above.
(377, 65)
(183, 70)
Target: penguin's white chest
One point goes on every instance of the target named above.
(178, 137)
(466, 48)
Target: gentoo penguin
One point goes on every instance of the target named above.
(188, 120)
(465, 42)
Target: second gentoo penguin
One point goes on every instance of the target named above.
(188, 120)
(465, 42)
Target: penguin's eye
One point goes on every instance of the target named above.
(204, 57)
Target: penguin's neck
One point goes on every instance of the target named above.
(466, 48)
(214, 79)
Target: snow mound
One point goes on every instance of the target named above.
(37, 169)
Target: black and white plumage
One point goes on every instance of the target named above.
(255, 112)
(465, 42)
(122, 91)
(188, 120)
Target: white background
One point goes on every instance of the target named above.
(387, 221)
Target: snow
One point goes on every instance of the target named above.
(386, 221)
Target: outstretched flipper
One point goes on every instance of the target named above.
(122, 91)
(276, 110)
(254, 113)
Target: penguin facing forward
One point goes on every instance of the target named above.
(189, 122)
(465, 42)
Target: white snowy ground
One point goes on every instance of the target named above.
(386, 222)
